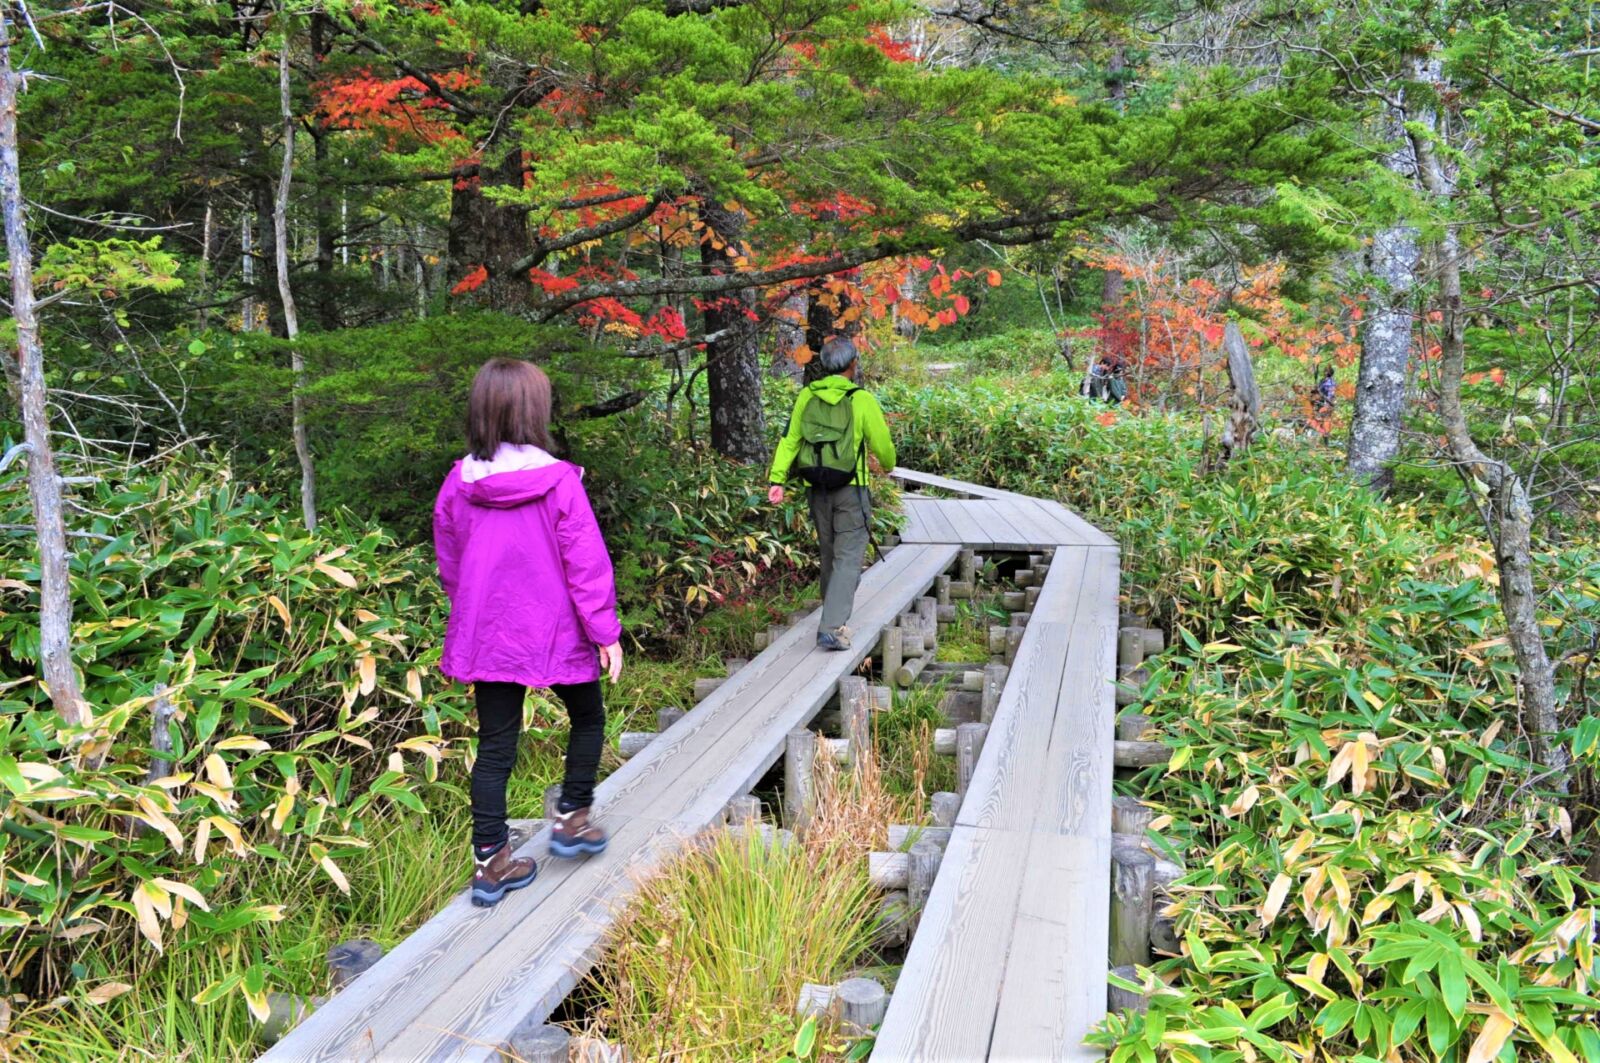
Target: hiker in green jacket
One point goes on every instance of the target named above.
(833, 427)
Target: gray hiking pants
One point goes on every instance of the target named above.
(841, 517)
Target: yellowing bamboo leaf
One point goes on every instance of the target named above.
(145, 913)
(1277, 893)
(414, 684)
(280, 814)
(282, 611)
(357, 740)
(344, 632)
(397, 763)
(334, 873)
(1372, 699)
(336, 553)
(366, 616)
(1496, 1028)
(1341, 764)
(158, 819)
(1244, 802)
(368, 669)
(186, 891)
(1487, 738)
(1469, 919)
(338, 575)
(202, 837)
(106, 992)
(217, 771)
(1375, 909)
(1358, 767)
(1298, 849)
(244, 742)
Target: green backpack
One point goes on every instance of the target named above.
(829, 451)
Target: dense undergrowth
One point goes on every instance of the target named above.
(1376, 872)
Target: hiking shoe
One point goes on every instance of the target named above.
(574, 834)
(837, 639)
(497, 875)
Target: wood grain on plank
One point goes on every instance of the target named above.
(944, 1003)
(999, 532)
(966, 520)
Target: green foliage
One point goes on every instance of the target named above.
(306, 708)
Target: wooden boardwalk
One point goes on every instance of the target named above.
(457, 987)
(1009, 960)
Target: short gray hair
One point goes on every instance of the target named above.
(837, 354)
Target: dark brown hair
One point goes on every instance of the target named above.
(510, 403)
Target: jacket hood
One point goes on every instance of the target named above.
(832, 389)
(505, 490)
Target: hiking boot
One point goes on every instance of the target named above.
(574, 834)
(496, 875)
(837, 639)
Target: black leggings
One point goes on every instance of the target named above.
(499, 726)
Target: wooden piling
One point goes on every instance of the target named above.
(349, 959)
(997, 640)
(861, 1005)
(1155, 641)
(945, 805)
(913, 643)
(1130, 647)
(1139, 754)
(903, 835)
(967, 565)
(814, 1002)
(892, 652)
(894, 920)
(909, 671)
(994, 681)
(961, 590)
(1013, 643)
(1132, 903)
(1131, 727)
(704, 688)
(631, 743)
(969, 747)
(888, 871)
(923, 865)
(855, 719)
(1125, 1000)
(538, 1042)
(799, 766)
(1129, 816)
(744, 809)
(941, 590)
(733, 664)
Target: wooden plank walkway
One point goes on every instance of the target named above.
(458, 986)
(989, 518)
(1010, 957)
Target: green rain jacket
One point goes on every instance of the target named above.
(870, 426)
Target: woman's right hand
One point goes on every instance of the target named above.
(775, 494)
(611, 660)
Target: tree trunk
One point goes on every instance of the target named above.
(1507, 510)
(326, 225)
(733, 360)
(291, 319)
(44, 487)
(1386, 341)
(484, 233)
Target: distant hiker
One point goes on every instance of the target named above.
(1106, 379)
(833, 427)
(532, 604)
(1326, 390)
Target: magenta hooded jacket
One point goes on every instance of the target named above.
(529, 580)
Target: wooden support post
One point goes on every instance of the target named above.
(704, 688)
(1130, 647)
(774, 633)
(968, 567)
(1139, 754)
(944, 741)
(855, 719)
(552, 799)
(994, 681)
(1155, 641)
(903, 835)
(1132, 903)
(1164, 936)
(597, 1050)
(948, 614)
(1131, 726)
(162, 710)
(745, 809)
(1013, 644)
(799, 766)
(349, 959)
(861, 1003)
(733, 664)
(1123, 1000)
(1130, 687)
(961, 590)
(941, 590)
(1013, 601)
(960, 706)
(923, 865)
(894, 920)
(761, 640)
(1166, 873)
(969, 747)
(888, 871)
(997, 641)
(1021, 619)
(285, 1011)
(815, 1001)
(892, 652)
(928, 618)
(910, 670)
(945, 805)
(1030, 597)
(912, 643)
(1129, 816)
(538, 1042)
(631, 743)
(881, 698)
(1023, 577)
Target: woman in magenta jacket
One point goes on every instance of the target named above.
(532, 604)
